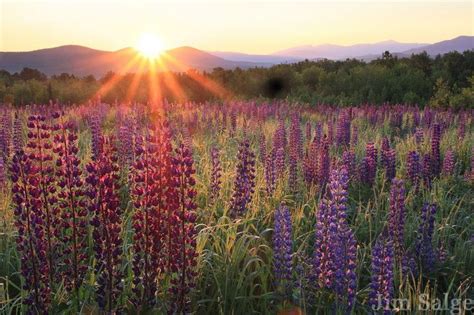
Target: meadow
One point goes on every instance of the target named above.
(235, 207)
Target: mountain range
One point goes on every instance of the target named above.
(81, 61)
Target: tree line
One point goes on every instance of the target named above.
(443, 81)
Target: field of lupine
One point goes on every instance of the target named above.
(234, 208)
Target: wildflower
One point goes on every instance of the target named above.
(282, 249)
(244, 181)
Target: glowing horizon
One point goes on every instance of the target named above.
(262, 26)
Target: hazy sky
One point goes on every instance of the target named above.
(261, 26)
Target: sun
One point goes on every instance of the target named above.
(150, 45)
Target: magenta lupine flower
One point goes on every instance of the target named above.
(270, 176)
(426, 170)
(343, 132)
(150, 184)
(184, 243)
(96, 135)
(74, 215)
(3, 173)
(308, 131)
(323, 162)
(330, 133)
(244, 180)
(424, 243)
(106, 220)
(279, 137)
(282, 251)
(310, 163)
(382, 274)
(318, 136)
(216, 173)
(31, 241)
(5, 135)
(18, 139)
(448, 163)
(126, 134)
(296, 139)
(39, 151)
(435, 150)
(396, 219)
(414, 169)
(368, 168)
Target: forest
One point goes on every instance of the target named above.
(445, 81)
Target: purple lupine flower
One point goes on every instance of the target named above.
(106, 220)
(74, 232)
(270, 176)
(216, 173)
(426, 170)
(348, 160)
(282, 251)
(462, 127)
(414, 169)
(324, 245)
(293, 175)
(368, 168)
(335, 246)
(18, 139)
(385, 146)
(343, 129)
(280, 164)
(262, 145)
(244, 180)
(396, 218)
(184, 244)
(382, 275)
(324, 162)
(435, 150)
(389, 165)
(424, 246)
(31, 241)
(448, 163)
(233, 122)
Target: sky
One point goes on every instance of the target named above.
(260, 26)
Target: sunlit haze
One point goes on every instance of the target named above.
(262, 26)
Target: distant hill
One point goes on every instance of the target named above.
(264, 59)
(461, 43)
(83, 61)
(330, 51)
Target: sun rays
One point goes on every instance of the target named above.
(160, 70)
